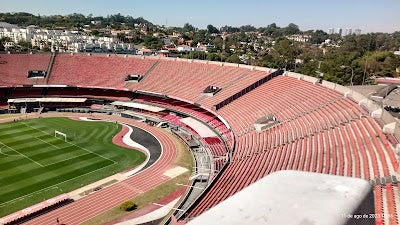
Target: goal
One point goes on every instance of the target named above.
(61, 135)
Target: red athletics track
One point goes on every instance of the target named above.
(105, 199)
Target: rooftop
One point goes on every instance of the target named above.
(311, 198)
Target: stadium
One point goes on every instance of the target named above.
(241, 123)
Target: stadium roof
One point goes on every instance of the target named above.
(22, 100)
(199, 127)
(293, 198)
(138, 106)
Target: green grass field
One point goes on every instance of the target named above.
(35, 165)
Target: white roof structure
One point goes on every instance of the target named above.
(139, 106)
(292, 198)
(21, 100)
(199, 127)
(50, 85)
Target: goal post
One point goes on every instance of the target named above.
(61, 135)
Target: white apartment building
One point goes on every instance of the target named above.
(62, 40)
(299, 38)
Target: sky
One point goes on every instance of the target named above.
(367, 15)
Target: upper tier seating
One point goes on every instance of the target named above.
(14, 68)
(286, 98)
(239, 84)
(187, 80)
(97, 70)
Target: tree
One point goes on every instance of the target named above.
(128, 206)
(213, 57)
(95, 32)
(152, 42)
(211, 29)
(188, 27)
(380, 63)
(233, 59)
(285, 53)
(217, 42)
(271, 29)
(318, 37)
(247, 28)
(1, 45)
(291, 29)
(230, 29)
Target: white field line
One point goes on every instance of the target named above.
(53, 186)
(1, 152)
(53, 146)
(47, 143)
(67, 159)
(70, 143)
(22, 154)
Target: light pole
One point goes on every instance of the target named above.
(319, 74)
(352, 73)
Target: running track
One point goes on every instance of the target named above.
(105, 199)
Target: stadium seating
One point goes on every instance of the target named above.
(14, 68)
(97, 71)
(318, 129)
(230, 89)
(188, 80)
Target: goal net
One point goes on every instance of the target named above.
(61, 135)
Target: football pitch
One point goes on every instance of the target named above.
(35, 165)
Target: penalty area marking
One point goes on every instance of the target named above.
(70, 143)
(47, 143)
(68, 159)
(3, 153)
(55, 185)
(22, 154)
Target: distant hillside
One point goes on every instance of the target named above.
(72, 21)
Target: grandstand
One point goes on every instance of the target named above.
(321, 127)
(14, 69)
(96, 71)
